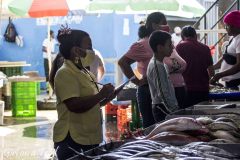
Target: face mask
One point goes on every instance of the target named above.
(165, 28)
(88, 59)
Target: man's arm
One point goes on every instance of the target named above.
(101, 66)
(101, 72)
(211, 71)
(44, 49)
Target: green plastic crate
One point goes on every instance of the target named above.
(24, 89)
(23, 112)
(24, 84)
(24, 99)
(24, 107)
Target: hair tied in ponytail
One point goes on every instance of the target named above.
(64, 30)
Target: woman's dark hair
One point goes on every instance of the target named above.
(155, 17)
(56, 64)
(142, 31)
(188, 31)
(158, 38)
(68, 39)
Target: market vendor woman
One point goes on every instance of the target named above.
(229, 64)
(79, 99)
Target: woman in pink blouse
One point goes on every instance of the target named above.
(141, 53)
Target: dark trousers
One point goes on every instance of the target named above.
(195, 97)
(181, 93)
(233, 84)
(145, 105)
(46, 69)
(64, 151)
(159, 112)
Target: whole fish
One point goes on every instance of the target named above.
(220, 141)
(220, 134)
(175, 138)
(158, 152)
(109, 156)
(145, 142)
(178, 124)
(204, 120)
(217, 125)
(202, 147)
(131, 151)
(225, 119)
(137, 148)
(235, 134)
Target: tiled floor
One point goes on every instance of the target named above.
(27, 138)
(31, 138)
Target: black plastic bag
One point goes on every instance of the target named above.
(11, 32)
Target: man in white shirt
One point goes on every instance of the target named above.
(51, 47)
(176, 36)
(97, 67)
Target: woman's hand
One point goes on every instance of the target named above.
(107, 90)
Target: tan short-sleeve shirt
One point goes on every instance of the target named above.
(84, 128)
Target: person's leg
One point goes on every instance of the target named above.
(159, 112)
(180, 93)
(195, 97)
(46, 69)
(145, 105)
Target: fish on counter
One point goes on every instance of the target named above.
(226, 119)
(174, 138)
(204, 120)
(220, 89)
(178, 124)
(219, 125)
(221, 141)
(221, 134)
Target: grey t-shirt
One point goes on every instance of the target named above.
(164, 91)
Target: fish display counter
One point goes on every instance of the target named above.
(176, 138)
(209, 131)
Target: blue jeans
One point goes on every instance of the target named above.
(145, 105)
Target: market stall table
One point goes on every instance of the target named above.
(13, 68)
